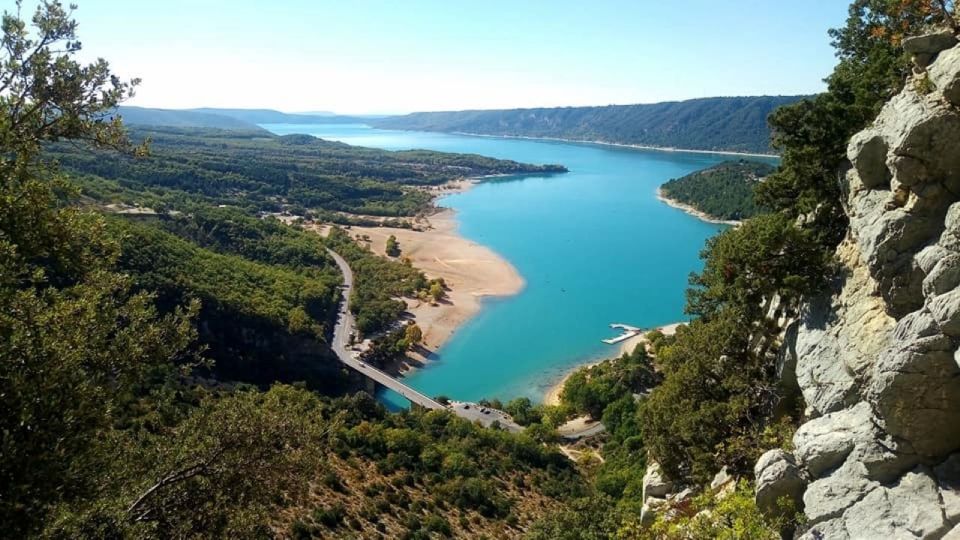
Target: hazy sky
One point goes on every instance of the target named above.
(358, 56)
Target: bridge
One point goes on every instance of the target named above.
(346, 324)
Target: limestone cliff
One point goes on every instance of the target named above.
(877, 360)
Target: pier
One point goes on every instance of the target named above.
(628, 332)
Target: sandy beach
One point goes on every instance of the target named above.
(552, 397)
(470, 270)
(694, 212)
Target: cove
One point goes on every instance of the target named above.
(594, 246)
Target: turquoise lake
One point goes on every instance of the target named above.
(594, 245)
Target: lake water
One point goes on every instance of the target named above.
(594, 245)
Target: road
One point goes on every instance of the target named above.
(341, 345)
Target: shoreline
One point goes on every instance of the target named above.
(471, 271)
(699, 214)
(552, 395)
(604, 143)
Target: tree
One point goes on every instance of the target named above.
(812, 135)
(393, 247)
(437, 291)
(75, 341)
(413, 335)
(219, 473)
(768, 255)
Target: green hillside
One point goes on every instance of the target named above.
(737, 124)
(142, 116)
(723, 191)
(263, 172)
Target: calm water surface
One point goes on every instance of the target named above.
(594, 245)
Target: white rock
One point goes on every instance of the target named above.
(824, 443)
(948, 481)
(910, 509)
(655, 484)
(945, 74)
(945, 308)
(931, 43)
(777, 476)
(831, 496)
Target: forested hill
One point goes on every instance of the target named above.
(736, 124)
(723, 191)
(270, 116)
(237, 119)
(143, 116)
(298, 173)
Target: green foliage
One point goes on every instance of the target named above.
(589, 518)
(379, 283)
(768, 255)
(437, 289)
(460, 462)
(76, 343)
(812, 135)
(297, 173)
(728, 123)
(591, 389)
(731, 517)
(70, 360)
(254, 315)
(104, 435)
(723, 191)
(393, 247)
(413, 335)
(712, 402)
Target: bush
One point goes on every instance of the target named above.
(331, 517)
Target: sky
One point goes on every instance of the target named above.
(372, 56)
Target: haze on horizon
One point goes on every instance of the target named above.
(374, 56)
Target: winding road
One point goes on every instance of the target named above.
(346, 324)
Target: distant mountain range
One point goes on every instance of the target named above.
(235, 119)
(736, 124)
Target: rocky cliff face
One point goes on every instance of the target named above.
(877, 360)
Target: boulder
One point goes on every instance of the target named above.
(723, 484)
(825, 443)
(828, 530)
(651, 508)
(829, 497)
(915, 387)
(778, 477)
(655, 484)
(877, 355)
(826, 384)
(944, 275)
(945, 75)
(868, 153)
(948, 482)
(721, 479)
(909, 509)
(925, 47)
(945, 308)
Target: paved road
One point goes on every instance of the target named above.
(485, 415)
(341, 339)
